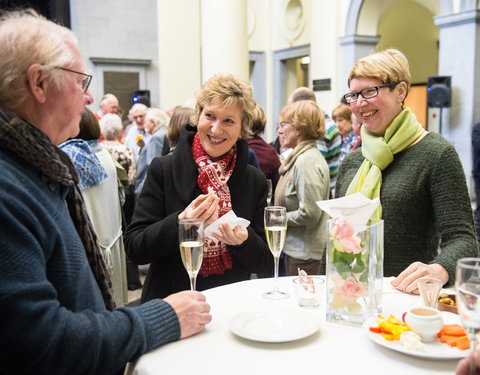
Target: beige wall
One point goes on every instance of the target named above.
(179, 51)
(268, 31)
(423, 54)
(328, 25)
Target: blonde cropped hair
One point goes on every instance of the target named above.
(26, 38)
(307, 117)
(227, 90)
(343, 111)
(389, 67)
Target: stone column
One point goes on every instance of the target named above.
(355, 47)
(458, 57)
(224, 40)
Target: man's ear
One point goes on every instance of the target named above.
(37, 83)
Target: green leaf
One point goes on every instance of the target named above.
(363, 277)
(347, 257)
(359, 265)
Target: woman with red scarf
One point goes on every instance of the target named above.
(211, 156)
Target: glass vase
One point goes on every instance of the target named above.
(354, 270)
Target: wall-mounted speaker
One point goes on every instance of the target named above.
(439, 92)
(141, 96)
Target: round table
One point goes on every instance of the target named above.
(334, 349)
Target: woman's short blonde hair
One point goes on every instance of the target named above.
(307, 117)
(227, 90)
(342, 111)
(389, 67)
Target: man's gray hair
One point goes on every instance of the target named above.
(26, 38)
(139, 106)
(107, 98)
(158, 117)
(110, 126)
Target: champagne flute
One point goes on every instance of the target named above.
(275, 230)
(191, 240)
(467, 284)
(270, 192)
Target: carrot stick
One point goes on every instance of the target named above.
(453, 330)
(463, 343)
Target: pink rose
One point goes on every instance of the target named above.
(348, 290)
(351, 245)
(346, 294)
(344, 239)
(342, 229)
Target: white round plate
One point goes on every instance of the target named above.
(281, 325)
(436, 350)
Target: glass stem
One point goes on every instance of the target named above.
(473, 347)
(193, 283)
(275, 266)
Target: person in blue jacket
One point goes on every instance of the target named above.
(57, 313)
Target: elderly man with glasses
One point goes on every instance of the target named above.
(57, 314)
(136, 137)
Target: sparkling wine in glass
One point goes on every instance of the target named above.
(191, 240)
(467, 284)
(275, 230)
(270, 192)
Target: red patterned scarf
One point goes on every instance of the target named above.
(214, 175)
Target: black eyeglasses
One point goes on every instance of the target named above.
(367, 93)
(85, 82)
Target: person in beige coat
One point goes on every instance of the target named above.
(304, 179)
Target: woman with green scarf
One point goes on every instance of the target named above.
(417, 175)
(304, 179)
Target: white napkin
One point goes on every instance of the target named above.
(229, 218)
(357, 208)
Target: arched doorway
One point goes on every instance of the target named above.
(377, 25)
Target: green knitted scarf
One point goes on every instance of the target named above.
(379, 151)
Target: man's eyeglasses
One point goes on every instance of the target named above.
(367, 93)
(85, 82)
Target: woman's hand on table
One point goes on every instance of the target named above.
(406, 281)
(204, 207)
(231, 236)
(192, 310)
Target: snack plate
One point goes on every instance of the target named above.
(436, 350)
(275, 325)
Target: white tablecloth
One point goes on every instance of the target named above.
(334, 349)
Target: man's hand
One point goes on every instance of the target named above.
(463, 367)
(192, 310)
(407, 280)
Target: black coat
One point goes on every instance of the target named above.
(170, 186)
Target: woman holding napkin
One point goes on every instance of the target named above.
(204, 178)
(304, 179)
(417, 175)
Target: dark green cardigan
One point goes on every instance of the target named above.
(426, 207)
